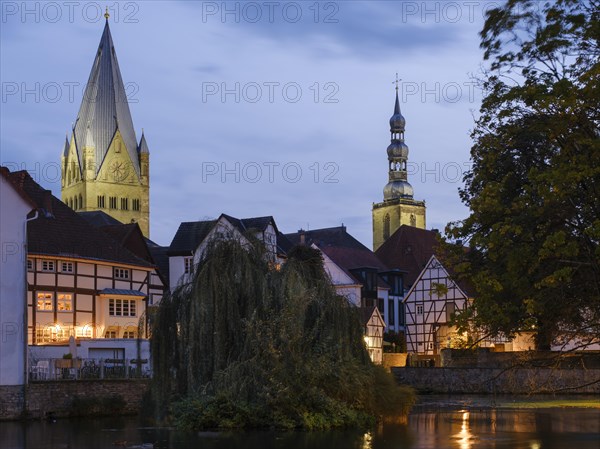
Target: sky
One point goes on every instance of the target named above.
(256, 108)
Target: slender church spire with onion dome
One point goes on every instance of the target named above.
(105, 165)
(398, 207)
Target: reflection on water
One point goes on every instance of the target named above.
(484, 428)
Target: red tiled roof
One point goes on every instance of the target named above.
(408, 249)
(60, 231)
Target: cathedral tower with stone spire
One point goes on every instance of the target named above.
(104, 167)
(398, 207)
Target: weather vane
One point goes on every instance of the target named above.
(397, 81)
(106, 14)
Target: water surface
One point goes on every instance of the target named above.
(436, 423)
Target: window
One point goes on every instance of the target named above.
(112, 202)
(121, 273)
(129, 334)
(450, 310)
(188, 264)
(64, 302)
(380, 306)
(80, 202)
(122, 307)
(48, 265)
(124, 203)
(420, 309)
(135, 204)
(110, 334)
(391, 312)
(29, 265)
(101, 203)
(66, 267)
(44, 302)
(386, 227)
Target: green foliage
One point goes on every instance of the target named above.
(533, 190)
(397, 340)
(245, 345)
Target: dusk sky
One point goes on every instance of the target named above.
(302, 127)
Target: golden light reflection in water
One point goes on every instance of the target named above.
(367, 441)
(465, 436)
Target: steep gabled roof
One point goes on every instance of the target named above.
(17, 184)
(104, 108)
(342, 248)
(408, 249)
(99, 218)
(59, 231)
(434, 263)
(188, 237)
(191, 234)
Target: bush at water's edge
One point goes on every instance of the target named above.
(249, 344)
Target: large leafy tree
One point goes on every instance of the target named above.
(534, 187)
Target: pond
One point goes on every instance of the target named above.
(435, 423)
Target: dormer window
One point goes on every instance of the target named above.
(48, 265)
(121, 273)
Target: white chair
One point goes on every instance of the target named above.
(41, 370)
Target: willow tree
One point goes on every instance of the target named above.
(534, 187)
(248, 343)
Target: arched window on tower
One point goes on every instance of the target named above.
(413, 220)
(75, 204)
(80, 201)
(386, 227)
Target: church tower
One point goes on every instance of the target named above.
(398, 206)
(103, 165)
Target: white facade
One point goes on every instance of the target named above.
(182, 267)
(13, 214)
(345, 285)
(374, 329)
(430, 304)
(86, 299)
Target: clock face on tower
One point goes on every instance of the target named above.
(118, 170)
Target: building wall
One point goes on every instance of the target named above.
(116, 178)
(401, 212)
(499, 380)
(88, 315)
(13, 212)
(45, 399)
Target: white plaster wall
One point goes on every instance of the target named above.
(13, 306)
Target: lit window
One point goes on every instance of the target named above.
(64, 302)
(420, 309)
(44, 302)
(29, 265)
(122, 307)
(121, 273)
(48, 265)
(66, 267)
(188, 264)
(129, 334)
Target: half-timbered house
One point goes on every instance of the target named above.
(192, 238)
(82, 283)
(430, 305)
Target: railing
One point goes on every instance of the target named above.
(88, 369)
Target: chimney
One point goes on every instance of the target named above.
(302, 236)
(47, 202)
